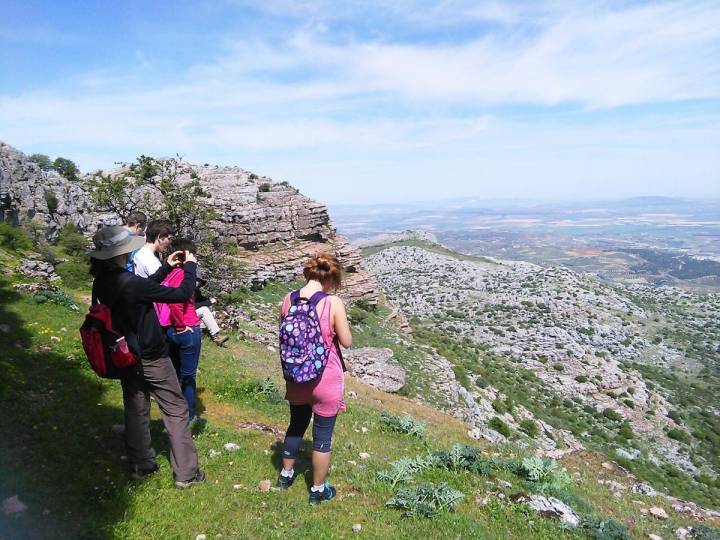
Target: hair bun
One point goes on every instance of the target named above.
(324, 266)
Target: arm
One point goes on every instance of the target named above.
(340, 322)
(147, 290)
(161, 273)
(284, 306)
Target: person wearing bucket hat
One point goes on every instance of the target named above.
(130, 299)
(202, 308)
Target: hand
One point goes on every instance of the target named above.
(187, 329)
(176, 258)
(213, 301)
(189, 257)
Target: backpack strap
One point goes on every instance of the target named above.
(315, 300)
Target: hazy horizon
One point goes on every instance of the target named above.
(378, 101)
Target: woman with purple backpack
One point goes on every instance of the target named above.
(313, 325)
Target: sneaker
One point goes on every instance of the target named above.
(327, 494)
(218, 338)
(285, 482)
(140, 473)
(198, 479)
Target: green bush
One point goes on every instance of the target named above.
(529, 427)
(626, 431)
(558, 367)
(612, 415)
(72, 242)
(14, 238)
(604, 529)
(703, 532)
(42, 161)
(357, 315)
(75, 274)
(51, 200)
(66, 168)
(498, 425)
(499, 406)
(264, 188)
(425, 500)
(678, 435)
(581, 378)
(403, 424)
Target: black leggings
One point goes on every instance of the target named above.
(323, 426)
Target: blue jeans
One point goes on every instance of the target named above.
(185, 352)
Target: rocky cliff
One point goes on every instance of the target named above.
(268, 228)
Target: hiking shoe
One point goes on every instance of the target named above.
(218, 338)
(141, 473)
(198, 479)
(327, 494)
(285, 482)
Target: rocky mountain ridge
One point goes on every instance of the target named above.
(591, 344)
(267, 228)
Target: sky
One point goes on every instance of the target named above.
(360, 102)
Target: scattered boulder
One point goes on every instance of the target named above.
(644, 489)
(682, 533)
(39, 270)
(373, 366)
(213, 453)
(658, 513)
(631, 454)
(13, 505)
(264, 486)
(550, 507)
(231, 447)
(652, 536)
(356, 528)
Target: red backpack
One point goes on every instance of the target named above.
(106, 349)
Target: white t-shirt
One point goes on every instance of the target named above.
(146, 263)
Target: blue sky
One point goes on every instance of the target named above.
(386, 101)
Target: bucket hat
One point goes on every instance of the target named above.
(113, 241)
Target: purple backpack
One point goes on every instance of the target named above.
(303, 353)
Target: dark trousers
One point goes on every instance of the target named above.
(157, 378)
(185, 352)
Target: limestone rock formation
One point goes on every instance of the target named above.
(374, 366)
(268, 229)
(28, 192)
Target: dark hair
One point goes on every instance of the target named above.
(99, 267)
(136, 217)
(158, 229)
(325, 268)
(183, 244)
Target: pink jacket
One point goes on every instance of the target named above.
(177, 315)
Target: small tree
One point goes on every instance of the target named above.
(66, 168)
(113, 193)
(42, 161)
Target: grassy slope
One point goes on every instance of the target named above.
(59, 454)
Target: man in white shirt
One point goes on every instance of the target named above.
(157, 240)
(135, 225)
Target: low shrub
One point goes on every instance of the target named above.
(612, 415)
(678, 435)
(582, 378)
(529, 427)
(403, 424)
(558, 367)
(56, 297)
(703, 532)
(604, 529)
(405, 469)
(14, 238)
(72, 242)
(357, 315)
(500, 426)
(74, 274)
(425, 500)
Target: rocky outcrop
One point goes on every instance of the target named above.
(374, 366)
(28, 192)
(268, 229)
(39, 270)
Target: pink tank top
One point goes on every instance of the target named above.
(325, 395)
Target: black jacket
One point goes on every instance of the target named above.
(130, 299)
